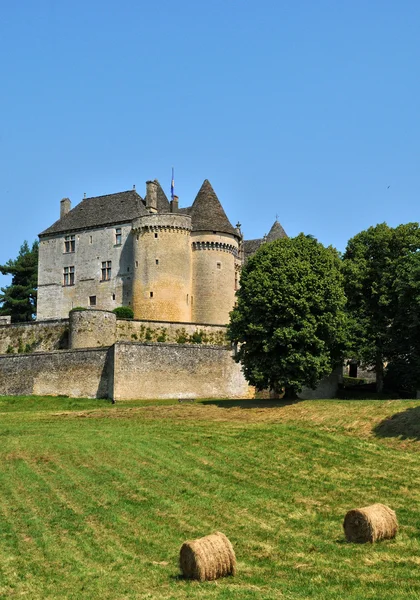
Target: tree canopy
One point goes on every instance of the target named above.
(19, 298)
(382, 284)
(289, 320)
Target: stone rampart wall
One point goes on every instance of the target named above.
(75, 373)
(163, 331)
(37, 336)
(176, 371)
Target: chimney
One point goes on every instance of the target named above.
(174, 204)
(65, 207)
(151, 196)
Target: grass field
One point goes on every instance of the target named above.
(96, 499)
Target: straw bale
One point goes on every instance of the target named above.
(370, 524)
(207, 558)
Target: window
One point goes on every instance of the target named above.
(113, 296)
(219, 265)
(68, 276)
(69, 243)
(157, 261)
(151, 294)
(106, 271)
(90, 239)
(118, 236)
(137, 263)
(156, 235)
(92, 300)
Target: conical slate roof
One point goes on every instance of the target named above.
(207, 213)
(276, 232)
(100, 211)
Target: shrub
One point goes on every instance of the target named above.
(124, 312)
(149, 335)
(353, 381)
(10, 349)
(181, 337)
(162, 336)
(197, 337)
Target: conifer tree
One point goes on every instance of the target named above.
(19, 298)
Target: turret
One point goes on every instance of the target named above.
(215, 245)
(162, 267)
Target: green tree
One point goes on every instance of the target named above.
(19, 298)
(290, 321)
(381, 266)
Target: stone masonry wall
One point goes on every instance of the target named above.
(176, 371)
(92, 248)
(37, 336)
(163, 331)
(75, 373)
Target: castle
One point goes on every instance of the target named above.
(168, 263)
(178, 268)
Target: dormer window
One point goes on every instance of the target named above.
(69, 243)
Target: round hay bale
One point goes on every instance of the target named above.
(370, 524)
(207, 558)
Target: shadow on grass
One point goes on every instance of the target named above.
(253, 403)
(404, 425)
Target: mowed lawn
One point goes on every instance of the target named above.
(96, 499)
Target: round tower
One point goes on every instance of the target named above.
(213, 289)
(162, 267)
(215, 245)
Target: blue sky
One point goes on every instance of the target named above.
(308, 110)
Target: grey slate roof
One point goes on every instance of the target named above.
(100, 211)
(251, 246)
(276, 232)
(207, 213)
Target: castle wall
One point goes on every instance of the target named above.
(92, 247)
(165, 331)
(75, 373)
(92, 328)
(213, 283)
(327, 387)
(162, 267)
(36, 336)
(173, 371)
(126, 371)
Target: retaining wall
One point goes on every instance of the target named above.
(76, 373)
(37, 336)
(176, 371)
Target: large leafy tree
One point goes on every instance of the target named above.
(382, 283)
(19, 298)
(289, 321)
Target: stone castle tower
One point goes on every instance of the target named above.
(167, 263)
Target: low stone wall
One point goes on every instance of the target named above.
(36, 336)
(327, 387)
(167, 332)
(75, 373)
(176, 371)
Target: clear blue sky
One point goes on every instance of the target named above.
(306, 109)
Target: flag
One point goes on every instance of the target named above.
(172, 185)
